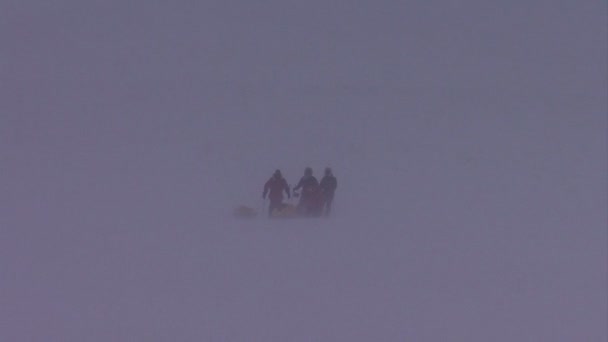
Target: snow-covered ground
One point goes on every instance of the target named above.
(469, 144)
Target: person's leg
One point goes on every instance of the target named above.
(301, 207)
(328, 201)
(271, 207)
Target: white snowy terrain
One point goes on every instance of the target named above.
(468, 139)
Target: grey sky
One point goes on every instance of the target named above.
(469, 139)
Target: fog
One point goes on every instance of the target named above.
(468, 140)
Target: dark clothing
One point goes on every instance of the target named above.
(328, 185)
(327, 200)
(308, 185)
(311, 200)
(306, 181)
(276, 186)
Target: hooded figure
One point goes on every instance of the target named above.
(328, 185)
(274, 187)
(311, 201)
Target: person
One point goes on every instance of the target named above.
(310, 203)
(274, 188)
(328, 186)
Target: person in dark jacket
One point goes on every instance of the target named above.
(274, 187)
(311, 202)
(328, 186)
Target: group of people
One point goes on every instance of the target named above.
(315, 197)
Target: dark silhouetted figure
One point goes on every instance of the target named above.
(328, 185)
(311, 201)
(275, 185)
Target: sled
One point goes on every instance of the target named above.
(287, 211)
(244, 212)
(313, 207)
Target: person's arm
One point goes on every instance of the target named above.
(298, 186)
(266, 187)
(286, 187)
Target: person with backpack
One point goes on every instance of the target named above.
(328, 186)
(274, 188)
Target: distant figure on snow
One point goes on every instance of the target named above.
(328, 185)
(311, 202)
(275, 185)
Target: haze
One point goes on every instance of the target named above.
(468, 139)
